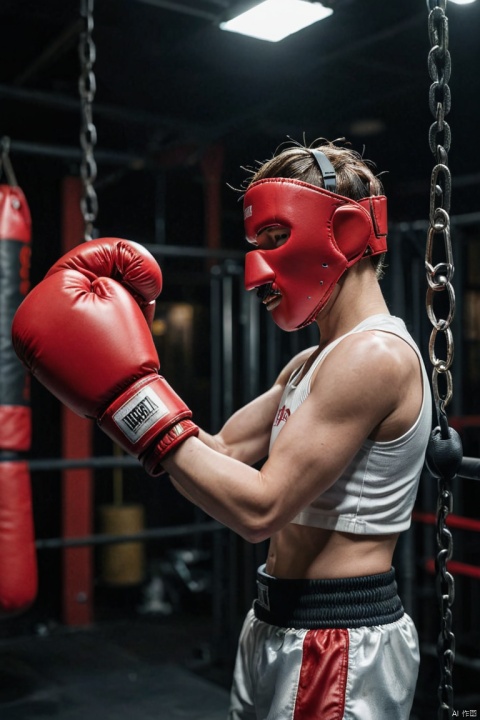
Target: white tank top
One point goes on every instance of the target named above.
(376, 493)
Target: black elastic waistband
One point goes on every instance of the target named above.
(340, 603)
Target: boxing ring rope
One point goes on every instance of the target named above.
(162, 533)
(72, 153)
(457, 522)
(469, 467)
(459, 568)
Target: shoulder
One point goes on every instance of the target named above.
(368, 367)
(372, 352)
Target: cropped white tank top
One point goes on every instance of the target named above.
(376, 493)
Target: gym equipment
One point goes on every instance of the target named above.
(18, 566)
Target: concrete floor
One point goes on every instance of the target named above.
(121, 671)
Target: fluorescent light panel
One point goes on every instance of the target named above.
(273, 20)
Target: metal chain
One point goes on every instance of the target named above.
(439, 277)
(5, 162)
(88, 131)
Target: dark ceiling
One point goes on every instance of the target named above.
(171, 85)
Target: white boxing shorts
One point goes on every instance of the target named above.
(326, 650)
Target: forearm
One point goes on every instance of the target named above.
(216, 474)
(245, 436)
(226, 489)
(214, 442)
(211, 441)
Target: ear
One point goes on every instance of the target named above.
(351, 227)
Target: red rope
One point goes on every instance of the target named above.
(454, 521)
(465, 421)
(457, 568)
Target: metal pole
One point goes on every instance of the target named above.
(64, 152)
(186, 10)
(153, 534)
(215, 347)
(251, 339)
(469, 468)
(227, 346)
(119, 114)
(192, 251)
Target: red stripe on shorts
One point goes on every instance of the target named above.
(323, 676)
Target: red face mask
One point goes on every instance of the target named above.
(327, 234)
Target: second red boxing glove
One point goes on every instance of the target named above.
(83, 335)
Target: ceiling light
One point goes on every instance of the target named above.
(273, 20)
(463, 2)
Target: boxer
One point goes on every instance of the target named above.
(325, 464)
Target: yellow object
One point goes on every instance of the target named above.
(122, 563)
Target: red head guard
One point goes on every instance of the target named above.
(328, 234)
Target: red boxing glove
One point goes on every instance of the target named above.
(83, 335)
(122, 260)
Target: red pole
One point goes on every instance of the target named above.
(212, 166)
(77, 484)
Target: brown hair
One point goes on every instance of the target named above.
(354, 175)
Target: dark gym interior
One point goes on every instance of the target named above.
(181, 110)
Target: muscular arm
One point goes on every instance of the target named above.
(246, 434)
(358, 386)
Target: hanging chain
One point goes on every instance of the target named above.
(439, 278)
(88, 131)
(5, 163)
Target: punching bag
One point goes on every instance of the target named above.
(18, 565)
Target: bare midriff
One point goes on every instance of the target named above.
(299, 551)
